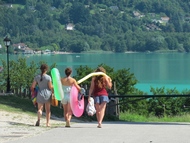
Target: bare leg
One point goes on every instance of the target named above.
(67, 113)
(40, 109)
(100, 112)
(48, 113)
(97, 112)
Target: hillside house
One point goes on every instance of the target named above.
(19, 46)
(47, 51)
(28, 51)
(137, 14)
(152, 27)
(22, 48)
(8, 5)
(165, 19)
(70, 26)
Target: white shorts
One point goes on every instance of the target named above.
(66, 99)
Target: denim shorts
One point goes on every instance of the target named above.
(100, 99)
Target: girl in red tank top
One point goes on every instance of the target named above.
(98, 87)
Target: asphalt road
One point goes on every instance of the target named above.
(113, 132)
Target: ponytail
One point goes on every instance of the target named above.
(43, 69)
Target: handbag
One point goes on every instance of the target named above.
(90, 109)
(34, 96)
(54, 102)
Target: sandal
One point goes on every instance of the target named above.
(37, 123)
(99, 126)
(67, 124)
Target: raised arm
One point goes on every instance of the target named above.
(109, 82)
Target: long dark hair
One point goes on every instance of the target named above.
(100, 80)
(43, 69)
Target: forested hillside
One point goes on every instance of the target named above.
(109, 25)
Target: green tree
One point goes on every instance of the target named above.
(78, 13)
(77, 46)
(156, 43)
(55, 47)
(186, 45)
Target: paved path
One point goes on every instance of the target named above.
(113, 132)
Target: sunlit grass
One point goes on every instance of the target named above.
(130, 117)
(23, 105)
(15, 110)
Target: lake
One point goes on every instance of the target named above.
(151, 69)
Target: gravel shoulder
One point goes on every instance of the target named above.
(20, 125)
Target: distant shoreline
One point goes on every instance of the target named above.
(97, 52)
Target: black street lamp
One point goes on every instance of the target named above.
(7, 43)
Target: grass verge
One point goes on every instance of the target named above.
(130, 117)
(17, 104)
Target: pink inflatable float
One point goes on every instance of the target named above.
(77, 106)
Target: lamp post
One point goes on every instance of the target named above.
(7, 43)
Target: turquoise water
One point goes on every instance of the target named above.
(146, 86)
(151, 69)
